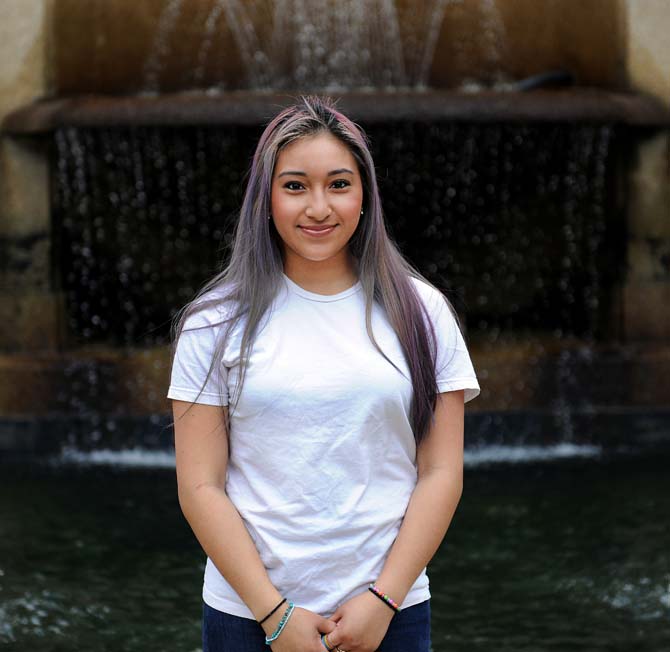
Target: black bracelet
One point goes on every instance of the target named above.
(260, 622)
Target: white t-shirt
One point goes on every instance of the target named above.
(322, 459)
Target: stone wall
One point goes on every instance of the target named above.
(648, 46)
(647, 290)
(28, 307)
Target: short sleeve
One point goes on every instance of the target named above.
(453, 368)
(192, 359)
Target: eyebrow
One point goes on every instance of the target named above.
(299, 173)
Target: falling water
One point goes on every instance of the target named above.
(249, 41)
(292, 44)
(211, 23)
(515, 222)
(487, 212)
(161, 44)
(430, 30)
(492, 34)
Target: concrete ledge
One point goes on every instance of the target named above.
(255, 108)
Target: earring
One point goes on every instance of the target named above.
(270, 216)
(361, 211)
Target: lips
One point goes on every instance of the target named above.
(318, 231)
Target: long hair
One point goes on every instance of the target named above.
(252, 277)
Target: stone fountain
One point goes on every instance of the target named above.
(523, 156)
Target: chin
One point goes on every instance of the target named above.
(316, 257)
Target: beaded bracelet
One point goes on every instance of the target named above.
(284, 619)
(384, 597)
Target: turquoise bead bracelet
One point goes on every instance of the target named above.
(284, 619)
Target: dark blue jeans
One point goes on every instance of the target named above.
(409, 631)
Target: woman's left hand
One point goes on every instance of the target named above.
(362, 623)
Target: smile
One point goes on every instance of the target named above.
(317, 233)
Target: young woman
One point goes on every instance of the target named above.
(318, 385)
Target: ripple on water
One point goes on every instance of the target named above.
(473, 457)
(42, 614)
(644, 598)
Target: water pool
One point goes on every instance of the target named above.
(571, 553)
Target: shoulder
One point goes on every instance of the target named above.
(432, 298)
(438, 307)
(209, 309)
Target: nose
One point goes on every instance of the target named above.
(318, 209)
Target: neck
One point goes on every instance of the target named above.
(322, 279)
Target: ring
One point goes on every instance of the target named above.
(326, 642)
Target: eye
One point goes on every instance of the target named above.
(343, 181)
(289, 183)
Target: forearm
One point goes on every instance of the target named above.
(222, 534)
(429, 513)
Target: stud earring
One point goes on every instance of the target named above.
(269, 217)
(361, 211)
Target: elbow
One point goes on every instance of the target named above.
(189, 495)
(450, 481)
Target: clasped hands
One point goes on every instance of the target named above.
(358, 625)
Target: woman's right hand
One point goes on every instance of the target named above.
(302, 632)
